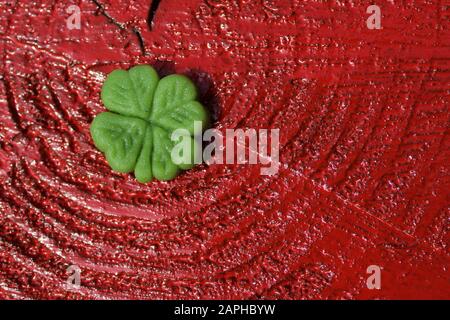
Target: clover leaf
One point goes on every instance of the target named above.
(144, 110)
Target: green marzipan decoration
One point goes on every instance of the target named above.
(144, 111)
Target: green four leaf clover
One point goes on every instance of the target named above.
(144, 110)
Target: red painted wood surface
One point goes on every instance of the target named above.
(365, 152)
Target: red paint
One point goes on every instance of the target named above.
(365, 151)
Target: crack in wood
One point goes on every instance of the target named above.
(103, 11)
(152, 13)
(140, 40)
(121, 26)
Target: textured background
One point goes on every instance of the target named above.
(365, 152)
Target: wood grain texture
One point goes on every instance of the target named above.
(363, 118)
